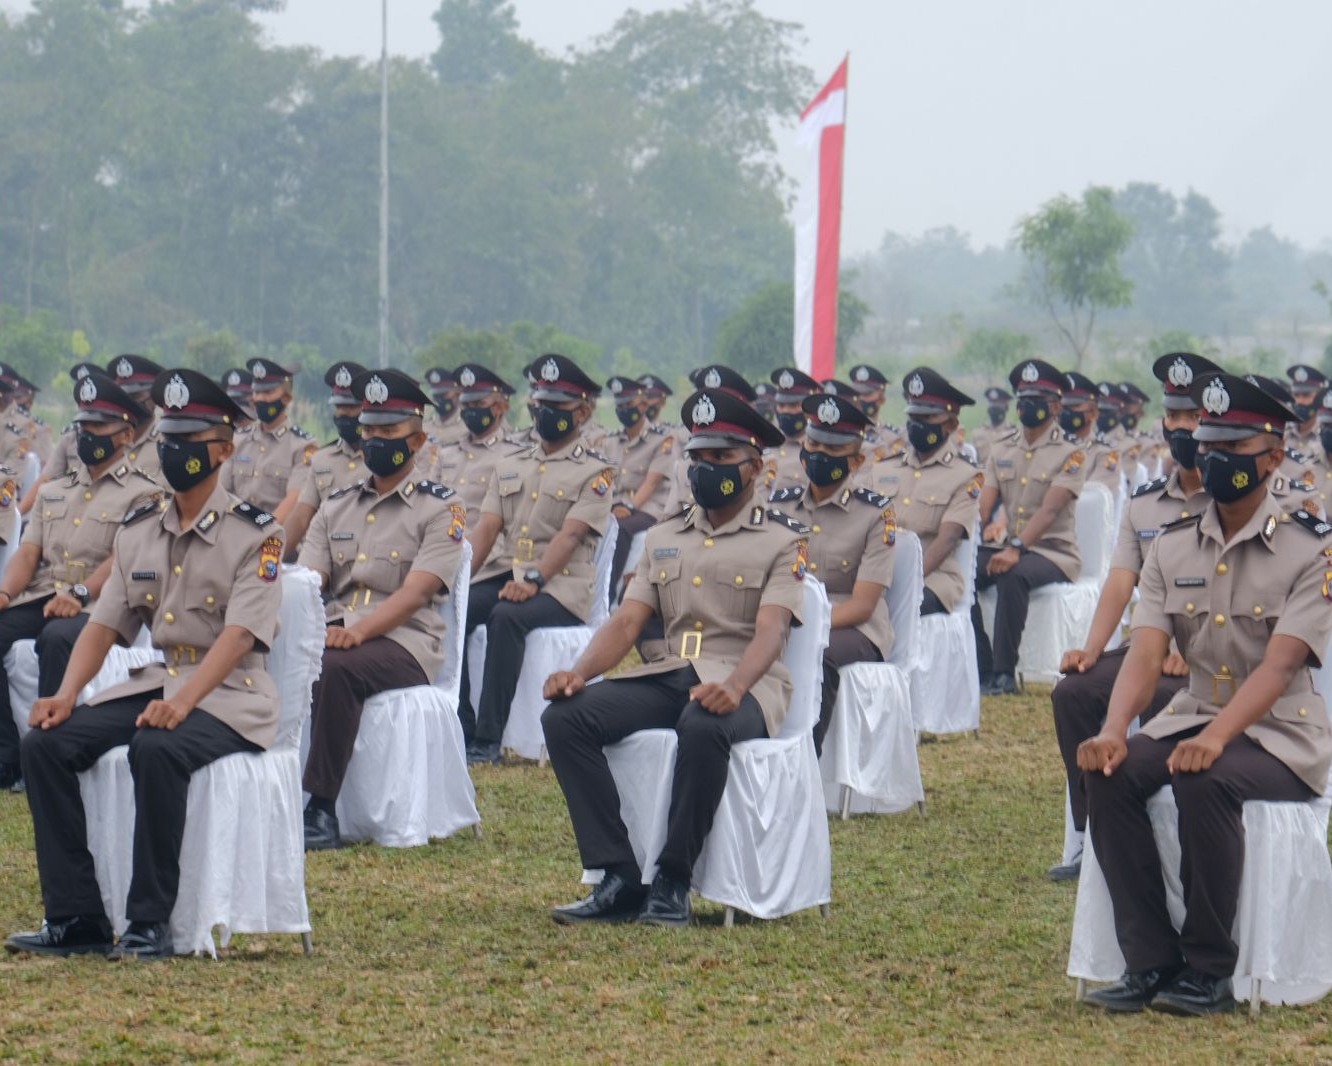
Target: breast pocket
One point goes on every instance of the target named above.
(553, 505)
(390, 564)
(740, 588)
(54, 510)
(664, 574)
(1189, 610)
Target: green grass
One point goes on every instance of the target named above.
(945, 942)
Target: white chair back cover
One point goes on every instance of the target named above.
(945, 686)
(904, 596)
(297, 656)
(1095, 530)
(966, 551)
(804, 658)
(12, 524)
(604, 559)
(32, 470)
(453, 609)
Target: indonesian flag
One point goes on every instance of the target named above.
(818, 230)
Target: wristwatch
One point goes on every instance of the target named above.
(1016, 542)
(80, 593)
(533, 576)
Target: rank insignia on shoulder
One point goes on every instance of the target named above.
(1150, 486)
(435, 489)
(296, 431)
(872, 498)
(801, 565)
(138, 512)
(270, 559)
(256, 515)
(793, 492)
(1315, 525)
(784, 519)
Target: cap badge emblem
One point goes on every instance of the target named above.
(704, 412)
(862, 373)
(1215, 398)
(712, 379)
(467, 378)
(87, 391)
(786, 379)
(1030, 374)
(260, 371)
(124, 369)
(177, 393)
(376, 391)
(550, 370)
(1180, 374)
(342, 379)
(916, 386)
(829, 413)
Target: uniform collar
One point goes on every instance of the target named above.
(943, 455)
(575, 449)
(208, 522)
(407, 489)
(752, 517)
(1264, 523)
(343, 448)
(1175, 490)
(496, 435)
(840, 499)
(116, 473)
(276, 432)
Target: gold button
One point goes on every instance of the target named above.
(351, 466)
(210, 600)
(1030, 454)
(103, 514)
(170, 618)
(46, 514)
(263, 447)
(1304, 712)
(541, 469)
(1170, 710)
(698, 626)
(1220, 619)
(906, 502)
(817, 528)
(1183, 514)
(709, 542)
(696, 581)
(846, 563)
(370, 518)
(1222, 568)
(534, 495)
(739, 580)
(249, 682)
(661, 576)
(1189, 608)
(78, 521)
(393, 555)
(917, 475)
(559, 493)
(813, 567)
(1257, 610)
(172, 672)
(361, 558)
(151, 598)
(565, 571)
(87, 494)
(1022, 481)
(1022, 510)
(470, 455)
(177, 570)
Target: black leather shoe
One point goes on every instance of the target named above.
(616, 899)
(9, 774)
(1002, 685)
(667, 903)
(483, 752)
(1196, 994)
(144, 942)
(1067, 871)
(321, 830)
(19, 787)
(1133, 991)
(86, 935)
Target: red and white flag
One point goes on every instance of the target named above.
(818, 230)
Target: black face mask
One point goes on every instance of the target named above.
(824, 469)
(792, 425)
(1183, 447)
(923, 437)
(1325, 439)
(715, 485)
(445, 407)
(1072, 421)
(869, 408)
(185, 463)
(349, 429)
(1303, 411)
(270, 410)
(1228, 477)
(478, 420)
(997, 415)
(552, 423)
(1130, 422)
(94, 450)
(628, 416)
(653, 412)
(385, 458)
(1106, 421)
(1033, 412)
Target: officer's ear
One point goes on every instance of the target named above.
(226, 449)
(582, 413)
(857, 461)
(124, 436)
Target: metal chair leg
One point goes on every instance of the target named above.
(846, 802)
(1255, 997)
(825, 909)
(1080, 990)
(729, 919)
(920, 808)
(307, 943)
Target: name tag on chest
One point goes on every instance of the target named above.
(341, 536)
(1147, 534)
(1004, 464)
(143, 575)
(1190, 582)
(665, 553)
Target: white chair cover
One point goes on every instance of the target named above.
(1283, 924)
(636, 546)
(870, 746)
(945, 685)
(768, 853)
(408, 780)
(32, 470)
(547, 650)
(242, 861)
(1060, 615)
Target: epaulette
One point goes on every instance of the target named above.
(793, 492)
(1150, 486)
(656, 429)
(592, 453)
(296, 431)
(13, 428)
(139, 512)
(1012, 432)
(1315, 525)
(331, 443)
(1072, 438)
(435, 489)
(346, 490)
(1101, 438)
(1298, 457)
(782, 518)
(872, 498)
(253, 514)
(1181, 523)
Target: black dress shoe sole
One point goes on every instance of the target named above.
(1115, 1006)
(615, 918)
(323, 844)
(665, 922)
(140, 956)
(60, 953)
(1167, 1004)
(1071, 872)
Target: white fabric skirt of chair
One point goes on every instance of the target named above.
(945, 683)
(869, 763)
(242, 862)
(1283, 924)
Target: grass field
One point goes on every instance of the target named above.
(945, 942)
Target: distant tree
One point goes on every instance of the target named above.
(760, 336)
(992, 353)
(1073, 250)
(1177, 340)
(479, 43)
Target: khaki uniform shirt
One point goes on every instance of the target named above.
(74, 523)
(64, 455)
(268, 462)
(15, 439)
(926, 493)
(1148, 509)
(186, 587)
(1223, 602)
(439, 435)
(707, 585)
(651, 452)
(1024, 474)
(1102, 462)
(983, 438)
(39, 434)
(142, 455)
(884, 442)
(366, 545)
(534, 494)
(334, 466)
(782, 467)
(851, 538)
(468, 467)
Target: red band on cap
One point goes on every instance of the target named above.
(725, 429)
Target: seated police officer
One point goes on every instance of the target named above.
(550, 502)
(65, 556)
(386, 550)
(272, 460)
(792, 386)
(1080, 699)
(201, 572)
(852, 533)
(724, 575)
(1243, 593)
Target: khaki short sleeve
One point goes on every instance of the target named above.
(255, 598)
(112, 608)
(964, 505)
(593, 504)
(785, 586)
(441, 547)
(876, 561)
(1151, 612)
(1128, 547)
(1072, 473)
(1307, 615)
(641, 589)
(316, 550)
(491, 504)
(309, 494)
(663, 458)
(35, 533)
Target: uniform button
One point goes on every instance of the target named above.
(351, 466)
(151, 598)
(1257, 610)
(462, 481)
(559, 493)
(661, 576)
(696, 581)
(1030, 454)
(103, 514)
(263, 447)
(370, 518)
(917, 475)
(361, 558)
(170, 618)
(524, 529)
(1220, 619)
(78, 521)
(1189, 608)
(46, 514)
(393, 555)
(210, 600)
(534, 495)
(1304, 712)
(1183, 514)
(846, 563)
(1222, 568)
(565, 571)
(177, 570)
(817, 528)
(1170, 710)
(698, 626)
(470, 455)
(709, 542)
(172, 672)
(906, 502)
(541, 469)
(87, 494)
(249, 682)
(813, 568)
(739, 580)
(1022, 510)
(1022, 481)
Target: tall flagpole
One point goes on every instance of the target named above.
(383, 196)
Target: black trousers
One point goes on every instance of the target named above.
(931, 604)
(635, 523)
(845, 646)
(350, 677)
(161, 761)
(25, 622)
(507, 625)
(1211, 836)
(1014, 588)
(576, 730)
(1081, 702)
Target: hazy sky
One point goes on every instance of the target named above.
(973, 112)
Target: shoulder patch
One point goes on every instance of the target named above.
(254, 514)
(872, 498)
(792, 492)
(1315, 525)
(1151, 486)
(150, 507)
(432, 488)
(1181, 523)
(296, 431)
(1073, 464)
(782, 518)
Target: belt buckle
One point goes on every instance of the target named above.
(691, 645)
(1217, 681)
(526, 552)
(182, 651)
